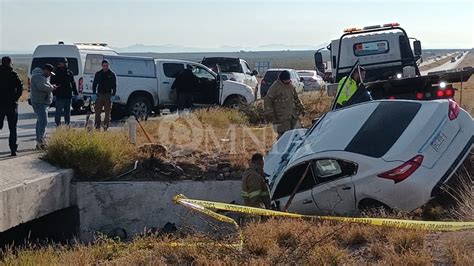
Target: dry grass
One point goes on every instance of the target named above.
(466, 96)
(208, 136)
(276, 241)
(22, 72)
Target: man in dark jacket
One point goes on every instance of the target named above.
(105, 84)
(10, 91)
(185, 84)
(66, 86)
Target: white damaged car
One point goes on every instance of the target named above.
(390, 153)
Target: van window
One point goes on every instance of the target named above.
(132, 67)
(41, 61)
(370, 48)
(383, 128)
(172, 69)
(93, 63)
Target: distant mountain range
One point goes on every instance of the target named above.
(169, 48)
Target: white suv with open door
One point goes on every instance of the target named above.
(234, 69)
(144, 84)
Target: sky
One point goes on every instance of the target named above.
(24, 24)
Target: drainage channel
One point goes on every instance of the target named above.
(61, 226)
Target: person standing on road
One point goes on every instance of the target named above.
(254, 189)
(354, 91)
(282, 104)
(105, 85)
(66, 86)
(184, 85)
(41, 98)
(11, 89)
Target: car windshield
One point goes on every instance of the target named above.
(226, 64)
(271, 76)
(41, 61)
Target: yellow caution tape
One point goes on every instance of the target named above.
(409, 224)
(180, 199)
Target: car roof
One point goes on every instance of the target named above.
(221, 57)
(279, 69)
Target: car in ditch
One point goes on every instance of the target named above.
(396, 154)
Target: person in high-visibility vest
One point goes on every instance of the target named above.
(254, 189)
(354, 91)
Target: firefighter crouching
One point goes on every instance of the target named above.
(282, 104)
(254, 189)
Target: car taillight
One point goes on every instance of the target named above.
(80, 85)
(454, 110)
(419, 95)
(403, 171)
(449, 92)
(440, 93)
(391, 97)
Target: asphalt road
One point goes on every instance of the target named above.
(26, 129)
(446, 66)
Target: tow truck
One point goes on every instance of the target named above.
(391, 65)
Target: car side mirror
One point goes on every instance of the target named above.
(254, 72)
(417, 47)
(318, 61)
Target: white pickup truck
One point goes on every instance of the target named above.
(144, 84)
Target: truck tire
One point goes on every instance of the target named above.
(234, 102)
(140, 107)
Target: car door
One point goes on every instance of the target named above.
(334, 192)
(302, 201)
(208, 91)
(168, 72)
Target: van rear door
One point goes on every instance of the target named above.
(92, 65)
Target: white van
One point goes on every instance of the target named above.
(144, 84)
(75, 54)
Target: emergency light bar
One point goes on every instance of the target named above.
(387, 25)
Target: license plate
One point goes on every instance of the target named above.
(438, 142)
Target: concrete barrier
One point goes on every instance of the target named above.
(135, 206)
(31, 188)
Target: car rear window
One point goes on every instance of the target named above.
(305, 74)
(383, 128)
(172, 69)
(271, 76)
(226, 64)
(41, 61)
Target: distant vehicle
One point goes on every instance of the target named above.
(235, 69)
(75, 54)
(144, 84)
(312, 81)
(395, 154)
(272, 74)
(391, 66)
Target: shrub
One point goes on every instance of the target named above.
(90, 154)
(220, 117)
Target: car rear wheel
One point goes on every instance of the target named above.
(140, 107)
